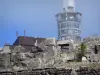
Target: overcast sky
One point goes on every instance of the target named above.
(38, 18)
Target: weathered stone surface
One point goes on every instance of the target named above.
(43, 55)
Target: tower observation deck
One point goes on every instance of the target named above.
(68, 22)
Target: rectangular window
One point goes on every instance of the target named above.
(63, 25)
(63, 31)
(70, 31)
(68, 25)
(76, 25)
(76, 32)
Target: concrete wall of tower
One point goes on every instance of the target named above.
(69, 25)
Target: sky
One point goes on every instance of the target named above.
(37, 17)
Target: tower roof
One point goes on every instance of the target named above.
(68, 3)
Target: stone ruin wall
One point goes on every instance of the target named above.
(52, 57)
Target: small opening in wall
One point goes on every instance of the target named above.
(95, 50)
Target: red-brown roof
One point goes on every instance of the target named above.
(26, 40)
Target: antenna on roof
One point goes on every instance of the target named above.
(24, 32)
(16, 33)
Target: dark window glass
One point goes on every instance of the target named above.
(63, 25)
(76, 25)
(63, 31)
(68, 24)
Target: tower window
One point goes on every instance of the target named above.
(76, 25)
(70, 31)
(68, 37)
(63, 25)
(68, 24)
(63, 31)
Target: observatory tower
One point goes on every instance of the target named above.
(68, 22)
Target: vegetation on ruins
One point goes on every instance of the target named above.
(81, 51)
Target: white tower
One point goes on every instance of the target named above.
(68, 22)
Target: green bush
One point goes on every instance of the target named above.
(81, 51)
